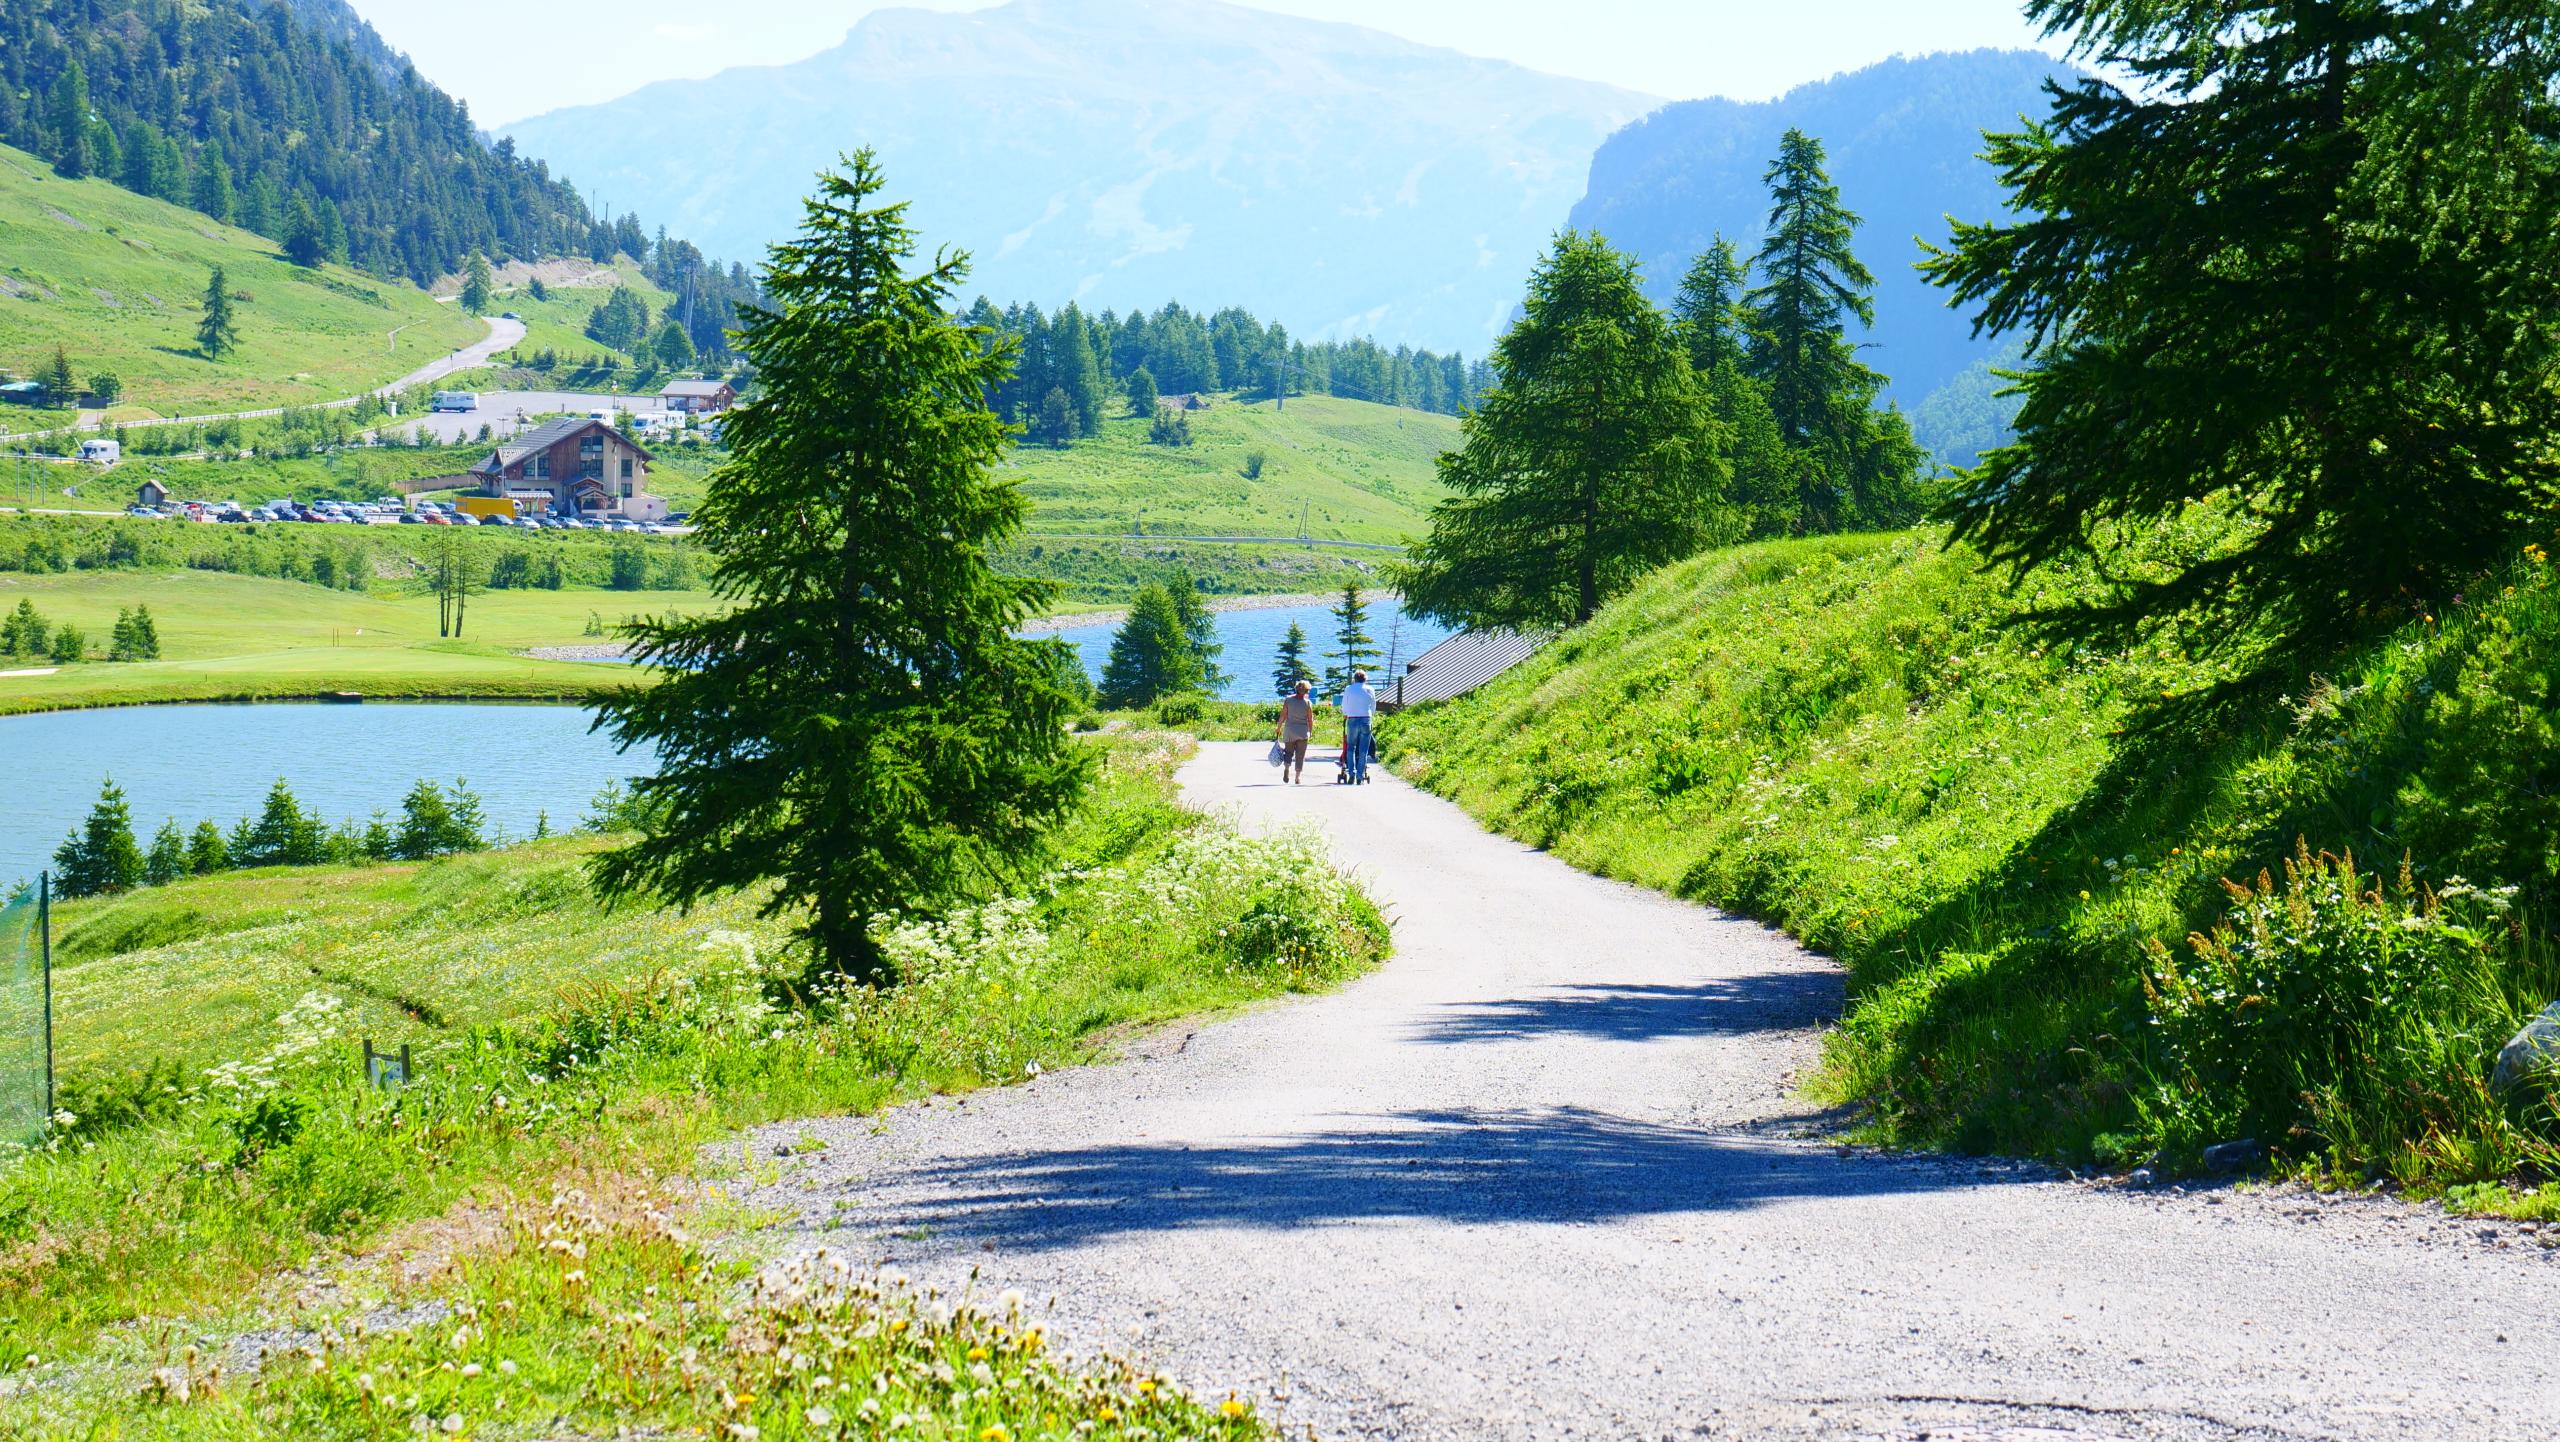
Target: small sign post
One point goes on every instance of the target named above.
(383, 1070)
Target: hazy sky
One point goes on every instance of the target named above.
(514, 58)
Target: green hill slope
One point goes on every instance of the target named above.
(1361, 472)
(117, 281)
(1853, 738)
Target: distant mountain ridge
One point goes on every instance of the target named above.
(1128, 152)
(1903, 138)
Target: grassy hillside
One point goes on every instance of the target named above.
(1851, 738)
(233, 637)
(117, 280)
(1364, 471)
(224, 1156)
(558, 322)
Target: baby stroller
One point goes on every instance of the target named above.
(1342, 766)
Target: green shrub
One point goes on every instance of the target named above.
(2343, 1019)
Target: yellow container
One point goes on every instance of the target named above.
(486, 506)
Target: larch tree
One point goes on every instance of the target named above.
(477, 283)
(859, 726)
(1591, 461)
(1859, 466)
(1709, 310)
(2306, 268)
(219, 331)
(1714, 325)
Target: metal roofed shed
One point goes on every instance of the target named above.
(1460, 665)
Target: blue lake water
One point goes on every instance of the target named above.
(1252, 640)
(200, 763)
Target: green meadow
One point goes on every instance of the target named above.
(232, 638)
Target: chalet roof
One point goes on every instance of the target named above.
(1461, 664)
(694, 388)
(543, 437)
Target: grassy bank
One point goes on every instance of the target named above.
(1852, 738)
(530, 1203)
(1361, 472)
(117, 281)
(231, 638)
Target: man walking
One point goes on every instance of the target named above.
(1359, 704)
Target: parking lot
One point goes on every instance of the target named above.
(505, 412)
(386, 513)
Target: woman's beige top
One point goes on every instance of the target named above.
(1297, 718)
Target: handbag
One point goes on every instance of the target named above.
(1279, 754)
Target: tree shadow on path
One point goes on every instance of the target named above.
(1611, 1011)
(1556, 1166)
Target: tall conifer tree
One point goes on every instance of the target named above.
(1855, 466)
(859, 726)
(219, 331)
(2308, 262)
(1593, 461)
(1354, 649)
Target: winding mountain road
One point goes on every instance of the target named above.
(1544, 1176)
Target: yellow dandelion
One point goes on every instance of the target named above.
(1231, 1409)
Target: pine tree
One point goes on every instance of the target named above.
(207, 852)
(121, 643)
(166, 861)
(1709, 309)
(101, 857)
(70, 645)
(476, 283)
(859, 726)
(1057, 423)
(283, 835)
(1861, 467)
(1290, 667)
(1592, 462)
(219, 331)
(61, 386)
(1354, 649)
(1140, 391)
(673, 348)
(1151, 654)
(146, 634)
(1200, 632)
(25, 633)
(2306, 259)
(304, 242)
(69, 114)
(213, 190)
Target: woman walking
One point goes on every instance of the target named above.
(1297, 728)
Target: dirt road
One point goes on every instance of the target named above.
(1543, 1176)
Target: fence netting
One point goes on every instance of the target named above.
(25, 1062)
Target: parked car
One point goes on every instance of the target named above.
(496, 521)
(412, 518)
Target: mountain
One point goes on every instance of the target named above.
(1903, 138)
(1128, 152)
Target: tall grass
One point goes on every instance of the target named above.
(1855, 738)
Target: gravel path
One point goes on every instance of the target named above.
(1543, 1176)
